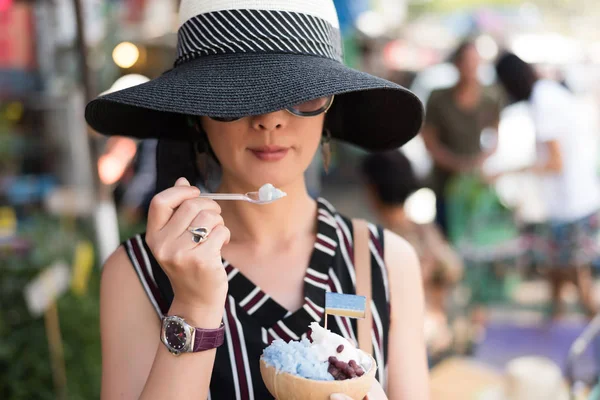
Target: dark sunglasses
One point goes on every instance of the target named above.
(308, 108)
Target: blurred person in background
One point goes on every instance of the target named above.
(390, 181)
(455, 119)
(567, 157)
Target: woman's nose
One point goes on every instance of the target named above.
(270, 122)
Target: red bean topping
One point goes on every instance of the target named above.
(340, 348)
(341, 376)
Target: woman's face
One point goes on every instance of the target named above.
(272, 148)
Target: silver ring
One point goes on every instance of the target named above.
(199, 233)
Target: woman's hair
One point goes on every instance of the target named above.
(194, 160)
(458, 53)
(391, 176)
(517, 76)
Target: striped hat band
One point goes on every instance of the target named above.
(236, 26)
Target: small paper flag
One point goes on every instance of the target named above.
(345, 305)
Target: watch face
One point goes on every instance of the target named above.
(176, 335)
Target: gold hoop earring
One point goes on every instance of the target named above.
(326, 149)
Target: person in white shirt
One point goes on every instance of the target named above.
(567, 159)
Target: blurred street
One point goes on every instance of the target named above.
(498, 194)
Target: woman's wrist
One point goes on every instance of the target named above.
(206, 317)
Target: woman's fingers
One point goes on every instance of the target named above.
(193, 212)
(217, 238)
(339, 396)
(376, 393)
(164, 204)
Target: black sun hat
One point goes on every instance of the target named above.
(250, 57)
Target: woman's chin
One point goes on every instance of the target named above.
(278, 178)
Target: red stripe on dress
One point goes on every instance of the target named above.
(377, 244)
(228, 269)
(151, 284)
(316, 310)
(325, 244)
(281, 333)
(258, 297)
(237, 351)
(317, 278)
(377, 337)
(349, 248)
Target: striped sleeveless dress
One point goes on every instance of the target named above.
(252, 319)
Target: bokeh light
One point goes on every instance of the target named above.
(126, 54)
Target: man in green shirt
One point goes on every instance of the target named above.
(455, 120)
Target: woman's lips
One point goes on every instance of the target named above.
(270, 153)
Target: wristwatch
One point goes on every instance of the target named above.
(181, 337)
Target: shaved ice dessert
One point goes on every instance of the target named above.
(315, 370)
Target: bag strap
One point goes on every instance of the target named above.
(362, 266)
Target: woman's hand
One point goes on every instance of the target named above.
(195, 270)
(376, 393)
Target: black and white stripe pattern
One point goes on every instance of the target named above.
(141, 262)
(257, 31)
(253, 319)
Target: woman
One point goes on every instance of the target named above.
(390, 180)
(566, 163)
(253, 87)
(455, 120)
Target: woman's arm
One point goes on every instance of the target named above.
(407, 367)
(443, 253)
(442, 157)
(553, 164)
(135, 364)
(445, 158)
(129, 330)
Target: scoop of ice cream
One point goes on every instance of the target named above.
(327, 344)
(297, 358)
(268, 192)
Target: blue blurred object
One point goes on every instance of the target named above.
(348, 11)
(26, 189)
(16, 81)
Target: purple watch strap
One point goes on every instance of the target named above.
(207, 339)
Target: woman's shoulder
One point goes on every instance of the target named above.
(118, 277)
(134, 265)
(119, 265)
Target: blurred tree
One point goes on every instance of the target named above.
(25, 368)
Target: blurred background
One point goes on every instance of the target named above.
(68, 197)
